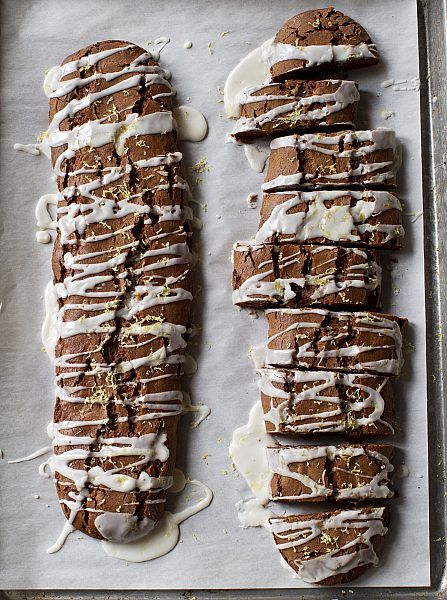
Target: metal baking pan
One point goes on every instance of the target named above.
(432, 18)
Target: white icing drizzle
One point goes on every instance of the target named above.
(315, 55)
(338, 223)
(368, 141)
(162, 538)
(191, 124)
(319, 386)
(247, 452)
(260, 287)
(304, 108)
(280, 459)
(365, 322)
(335, 560)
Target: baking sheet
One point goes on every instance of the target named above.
(214, 551)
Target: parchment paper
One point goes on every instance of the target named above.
(214, 551)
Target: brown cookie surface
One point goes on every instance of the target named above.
(319, 41)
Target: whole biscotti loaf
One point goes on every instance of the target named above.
(333, 160)
(266, 276)
(317, 338)
(331, 548)
(302, 403)
(349, 218)
(121, 265)
(340, 473)
(319, 41)
(277, 108)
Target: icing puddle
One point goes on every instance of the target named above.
(165, 535)
(248, 454)
(252, 70)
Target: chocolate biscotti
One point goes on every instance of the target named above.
(303, 403)
(292, 275)
(363, 159)
(340, 473)
(309, 338)
(277, 108)
(350, 218)
(121, 264)
(331, 548)
(318, 41)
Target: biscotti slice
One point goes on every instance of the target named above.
(121, 264)
(318, 473)
(277, 108)
(266, 276)
(331, 548)
(332, 160)
(319, 41)
(350, 218)
(302, 403)
(364, 342)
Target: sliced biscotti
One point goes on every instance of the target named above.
(316, 338)
(278, 108)
(318, 41)
(331, 548)
(341, 473)
(332, 160)
(121, 264)
(266, 276)
(307, 403)
(350, 218)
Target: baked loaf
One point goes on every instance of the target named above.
(121, 266)
(303, 403)
(321, 339)
(266, 276)
(318, 41)
(340, 473)
(350, 218)
(331, 548)
(333, 160)
(291, 106)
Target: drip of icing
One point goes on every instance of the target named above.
(202, 410)
(257, 154)
(248, 454)
(187, 45)
(250, 71)
(158, 45)
(43, 237)
(164, 536)
(31, 456)
(49, 330)
(28, 148)
(191, 124)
